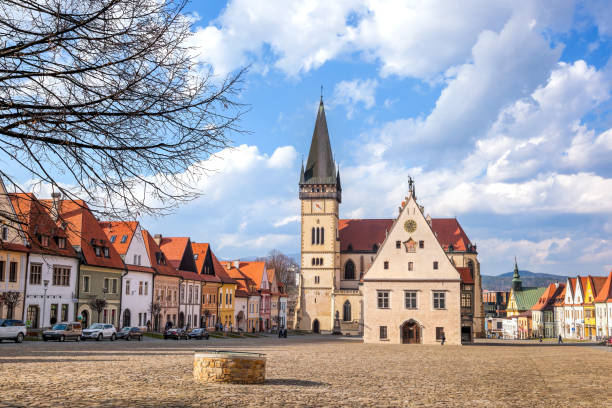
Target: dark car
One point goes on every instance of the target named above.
(175, 334)
(199, 334)
(129, 333)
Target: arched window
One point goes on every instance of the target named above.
(346, 311)
(313, 235)
(318, 236)
(322, 236)
(313, 261)
(471, 266)
(349, 270)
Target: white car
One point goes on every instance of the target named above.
(12, 330)
(99, 331)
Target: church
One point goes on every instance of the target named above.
(410, 279)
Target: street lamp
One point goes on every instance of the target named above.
(46, 286)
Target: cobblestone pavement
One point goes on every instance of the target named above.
(307, 371)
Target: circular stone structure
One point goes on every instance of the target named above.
(229, 367)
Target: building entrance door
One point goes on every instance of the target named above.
(315, 326)
(411, 332)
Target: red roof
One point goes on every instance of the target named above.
(14, 247)
(559, 299)
(549, 296)
(36, 221)
(253, 270)
(242, 280)
(157, 257)
(83, 231)
(200, 249)
(466, 276)
(597, 284)
(188, 275)
(363, 234)
(605, 293)
(174, 249)
(119, 230)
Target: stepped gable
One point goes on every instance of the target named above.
(36, 221)
(157, 257)
(84, 232)
(605, 294)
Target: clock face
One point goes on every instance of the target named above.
(317, 206)
(410, 226)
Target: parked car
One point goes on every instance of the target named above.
(129, 333)
(12, 330)
(99, 331)
(199, 334)
(609, 342)
(175, 333)
(64, 331)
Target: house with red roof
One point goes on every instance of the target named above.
(337, 253)
(211, 284)
(165, 305)
(543, 313)
(246, 309)
(258, 273)
(52, 269)
(101, 265)
(137, 283)
(603, 309)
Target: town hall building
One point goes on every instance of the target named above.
(382, 278)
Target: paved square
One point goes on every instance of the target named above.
(307, 371)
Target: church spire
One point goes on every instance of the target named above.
(517, 284)
(320, 167)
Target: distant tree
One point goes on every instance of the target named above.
(206, 315)
(239, 318)
(10, 299)
(98, 305)
(284, 266)
(107, 101)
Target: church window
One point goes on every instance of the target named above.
(317, 279)
(435, 265)
(386, 264)
(383, 299)
(410, 299)
(313, 235)
(398, 244)
(439, 300)
(322, 236)
(421, 244)
(346, 311)
(349, 270)
(318, 236)
(313, 261)
(410, 266)
(470, 264)
(321, 261)
(383, 332)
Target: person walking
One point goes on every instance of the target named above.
(443, 338)
(560, 340)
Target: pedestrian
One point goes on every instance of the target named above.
(560, 340)
(443, 338)
(540, 338)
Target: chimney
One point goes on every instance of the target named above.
(56, 197)
(236, 264)
(157, 238)
(428, 219)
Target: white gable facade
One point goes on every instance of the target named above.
(411, 291)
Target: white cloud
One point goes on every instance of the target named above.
(287, 220)
(350, 93)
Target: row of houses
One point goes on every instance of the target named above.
(58, 263)
(580, 308)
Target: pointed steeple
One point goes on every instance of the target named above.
(320, 167)
(302, 173)
(517, 284)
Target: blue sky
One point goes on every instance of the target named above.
(501, 111)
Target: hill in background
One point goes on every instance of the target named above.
(529, 279)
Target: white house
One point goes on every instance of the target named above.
(190, 302)
(510, 328)
(53, 266)
(282, 311)
(603, 309)
(241, 302)
(137, 281)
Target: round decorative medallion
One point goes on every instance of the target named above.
(410, 226)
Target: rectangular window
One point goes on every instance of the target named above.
(421, 244)
(435, 265)
(13, 272)
(439, 300)
(124, 239)
(146, 292)
(140, 288)
(135, 259)
(4, 233)
(64, 312)
(61, 276)
(44, 241)
(230, 299)
(466, 299)
(383, 299)
(106, 253)
(410, 266)
(61, 243)
(114, 285)
(317, 279)
(106, 285)
(411, 299)
(97, 251)
(383, 332)
(53, 315)
(35, 274)
(85, 283)
(439, 333)
(398, 244)
(386, 264)
(127, 287)
(2, 266)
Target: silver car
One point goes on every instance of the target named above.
(99, 331)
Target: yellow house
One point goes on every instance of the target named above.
(226, 295)
(593, 286)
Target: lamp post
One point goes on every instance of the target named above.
(46, 286)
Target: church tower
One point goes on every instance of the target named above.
(320, 196)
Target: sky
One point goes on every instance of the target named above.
(501, 112)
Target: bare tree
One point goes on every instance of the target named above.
(98, 305)
(155, 310)
(106, 101)
(285, 267)
(10, 299)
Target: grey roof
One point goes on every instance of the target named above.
(320, 167)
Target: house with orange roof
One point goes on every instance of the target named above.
(257, 272)
(137, 283)
(165, 304)
(603, 309)
(245, 289)
(211, 284)
(53, 266)
(179, 253)
(13, 259)
(226, 295)
(594, 285)
(559, 310)
(543, 313)
(101, 266)
(574, 308)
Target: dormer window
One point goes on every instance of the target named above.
(97, 251)
(124, 239)
(113, 238)
(106, 252)
(61, 243)
(44, 240)
(195, 257)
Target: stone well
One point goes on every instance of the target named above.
(229, 366)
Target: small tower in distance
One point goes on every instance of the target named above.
(517, 284)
